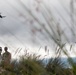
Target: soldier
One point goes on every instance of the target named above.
(0, 54)
(6, 56)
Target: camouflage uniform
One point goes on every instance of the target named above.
(6, 58)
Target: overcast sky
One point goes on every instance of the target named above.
(16, 30)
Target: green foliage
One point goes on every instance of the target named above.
(25, 66)
(30, 66)
(55, 67)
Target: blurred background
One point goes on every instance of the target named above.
(38, 25)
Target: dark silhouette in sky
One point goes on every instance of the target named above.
(2, 16)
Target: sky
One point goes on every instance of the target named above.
(19, 30)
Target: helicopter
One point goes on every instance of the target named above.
(2, 16)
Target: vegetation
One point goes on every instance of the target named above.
(33, 65)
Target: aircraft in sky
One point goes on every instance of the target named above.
(2, 16)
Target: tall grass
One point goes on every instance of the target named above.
(32, 65)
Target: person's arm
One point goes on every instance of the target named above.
(3, 56)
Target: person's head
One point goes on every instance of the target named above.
(0, 49)
(5, 48)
